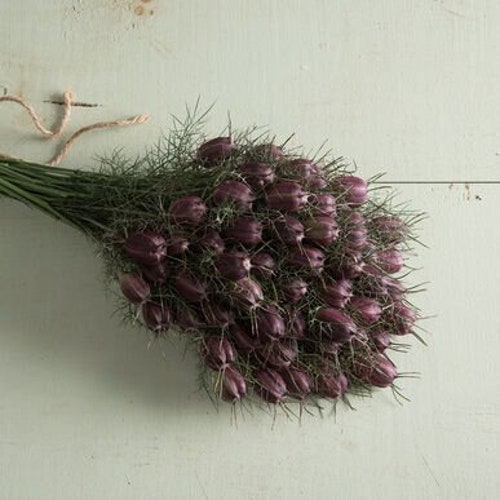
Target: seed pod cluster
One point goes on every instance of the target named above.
(283, 272)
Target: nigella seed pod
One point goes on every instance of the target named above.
(216, 150)
(381, 339)
(217, 352)
(322, 230)
(289, 230)
(246, 231)
(390, 261)
(212, 242)
(391, 229)
(335, 325)
(157, 273)
(234, 387)
(349, 267)
(268, 151)
(244, 341)
(188, 320)
(366, 308)
(188, 211)
(298, 325)
(286, 196)
(263, 265)
(323, 204)
(394, 287)
(156, 317)
(216, 315)
(402, 318)
(257, 174)
(236, 193)
(355, 189)
(308, 259)
(337, 294)
(134, 288)
(246, 293)
(270, 325)
(294, 290)
(331, 386)
(298, 382)
(270, 386)
(357, 238)
(233, 265)
(189, 287)
(307, 173)
(279, 355)
(177, 245)
(379, 371)
(146, 248)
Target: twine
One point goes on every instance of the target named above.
(68, 100)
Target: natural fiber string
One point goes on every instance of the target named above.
(68, 99)
(136, 120)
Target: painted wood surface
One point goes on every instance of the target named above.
(407, 88)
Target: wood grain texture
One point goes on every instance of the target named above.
(409, 88)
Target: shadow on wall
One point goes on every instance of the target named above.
(56, 318)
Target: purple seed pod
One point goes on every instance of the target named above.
(156, 317)
(146, 248)
(322, 230)
(336, 325)
(355, 189)
(331, 386)
(234, 387)
(337, 294)
(381, 339)
(270, 151)
(246, 293)
(357, 238)
(270, 386)
(236, 193)
(307, 258)
(188, 211)
(246, 231)
(189, 287)
(233, 265)
(279, 355)
(329, 347)
(296, 324)
(157, 273)
(216, 150)
(257, 174)
(323, 204)
(244, 341)
(134, 288)
(212, 242)
(391, 229)
(217, 352)
(188, 320)
(178, 244)
(263, 265)
(270, 325)
(349, 267)
(402, 318)
(293, 291)
(379, 371)
(216, 315)
(394, 287)
(297, 381)
(289, 230)
(366, 308)
(308, 173)
(390, 261)
(286, 196)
